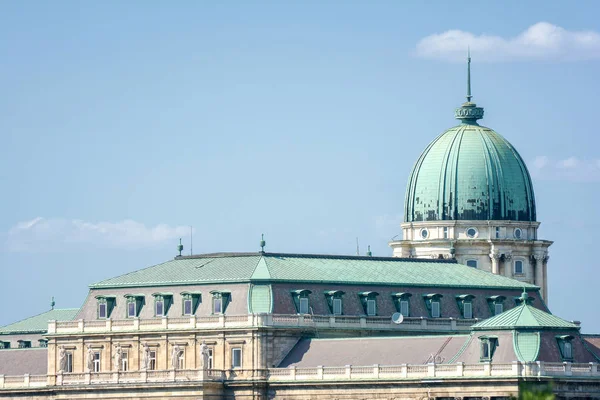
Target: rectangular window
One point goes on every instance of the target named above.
(236, 357)
(435, 309)
(404, 310)
(498, 308)
(4, 345)
(217, 305)
(24, 344)
(152, 359)
(371, 307)
(160, 308)
(468, 310)
(445, 232)
(102, 310)
(497, 232)
(97, 361)
(303, 308)
(337, 306)
(210, 358)
(187, 307)
(124, 361)
(567, 350)
(131, 309)
(518, 267)
(69, 362)
(472, 263)
(181, 360)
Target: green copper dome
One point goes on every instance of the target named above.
(469, 172)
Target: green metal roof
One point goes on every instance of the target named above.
(524, 316)
(39, 323)
(276, 267)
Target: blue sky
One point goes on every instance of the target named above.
(123, 124)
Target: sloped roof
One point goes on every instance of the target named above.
(32, 361)
(524, 316)
(39, 323)
(277, 267)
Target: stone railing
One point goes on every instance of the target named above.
(348, 372)
(259, 320)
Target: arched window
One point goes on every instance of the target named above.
(472, 263)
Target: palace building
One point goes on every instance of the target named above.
(458, 310)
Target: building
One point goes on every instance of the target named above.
(459, 311)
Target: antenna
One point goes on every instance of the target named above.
(357, 248)
(397, 318)
(469, 75)
(180, 247)
(191, 239)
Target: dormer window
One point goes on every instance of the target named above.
(496, 304)
(402, 303)
(334, 301)
(465, 305)
(433, 304)
(519, 300)
(565, 345)
(162, 303)
(191, 300)
(106, 304)
(43, 342)
(135, 302)
(488, 346)
(24, 344)
(4, 345)
(220, 301)
(301, 300)
(369, 302)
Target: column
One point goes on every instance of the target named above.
(495, 257)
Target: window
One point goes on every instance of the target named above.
(24, 344)
(498, 308)
(181, 360)
(445, 232)
(404, 308)
(131, 310)
(518, 233)
(472, 263)
(488, 346)
(468, 310)
(220, 301)
(105, 306)
(4, 345)
(43, 342)
(236, 357)
(519, 267)
(160, 308)
(303, 309)
(69, 362)
(424, 233)
(472, 233)
(371, 307)
(433, 304)
(187, 307)
(497, 232)
(96, 361)
(337, 306)
(124, 361)
(152, 360)
(191, 300)
(435, 309)
(135, 302)
(565, 345)
(210, 358)
(369, 302)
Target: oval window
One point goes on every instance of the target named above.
(424, 233)
(471, 232)
(518, 233)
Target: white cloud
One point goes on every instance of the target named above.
(58, 234)
(541, 41)
(569, 169)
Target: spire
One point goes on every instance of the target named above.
(469, 75)
(262, 243)
(469, 113)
